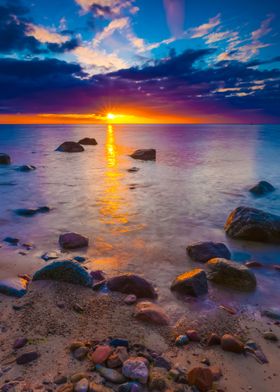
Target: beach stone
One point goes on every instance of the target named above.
(201, 377)
(157, 379)
(181, 340)
(26, 168)
(251, 224)
(88, 141)
(144, 154)
(82, 385)
(193, 335)
(77, 377)
(231, 274)
(19, 343)
(130, 299)
(14, 287)
(216, 372)
(118, 342)
(118, 357)
(132, 284)
(73, 241)
(271, 313)
(80, 259)
(97, 275)
(4, 159)
(151, 313)
(11, 240)
(204, 251)
(232, 344)
(270, 336)
(131, 387)
(213, 340)
(70, 147)
(101, 354)
(262, 188)
(253, 264)
(60, 380)
(161, 362)
(133, 169)
(65, 388)
(136, 369)
(75, 345)
(80, 353)
(110, 374)
(192, 283)
(65, 271)
(50, 256)
(94, 387)
(27, 358)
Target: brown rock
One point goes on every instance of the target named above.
(145, 155)
(88, 141)
(201, 377)
(101, 354)
(151, 313)
(216, 372)
(213, 340)
(132, 284)
(66, 388)
(72, 241)
(70, 147)
(191, 283)
(232, 343)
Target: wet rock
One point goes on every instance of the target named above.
(161, 362)
(204, 251)
(251, 224)
(144, 155)
(118, 357)
(157, 379)
(65, 271)
(4, 159)
(32, 211)
(151, 313)
(213, 340)
(82, 385)
(253, 264)
(14, 287)
(60, 380)
(66, 388)
(201, 377)
(11, 240)
(73, 241)
(19, 343)
(27, 358)
(262, 188)
(79, 259)
(136, 369)
(133, 170)
(26, 168)
(181, 340)
(192, 283)
(232, 344)
(130, 299)
(50, 256)
(132, 284)
(101, 354)
(216, 372)
(70, 147)
(80, 353)
(193, 335)
(231, 274)
(97, 275)
(110, 374)
(88, 141)
(118, 342)
(271, 313)
(270, 336)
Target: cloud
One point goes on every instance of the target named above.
(264, 28)
(204, 29)
(108, 8)
(114, 25)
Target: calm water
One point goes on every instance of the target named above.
(142, 221)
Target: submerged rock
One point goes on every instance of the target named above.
(14, 287)
(232, 343)
(251, 224)
(73, 241)
(32, 211)
(11, 240)
(65, 271)
(262, 188)
(26, 168)
(204, 251)
(151, 313)
(4, 159)
(201, 377)
(144, 155)
(136, 369)
(132, 284)
(191, 283)
(70, 147)
(231, 274)
(88, 141)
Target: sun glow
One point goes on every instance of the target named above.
(111, 116)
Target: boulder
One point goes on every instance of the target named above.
(136, 369)
(64, 271)
(151, 313)
(201, 377)
(231, 274)
(144, 155)
(88, 141)
(70, 147)
(73, 241)
(251, 224)
(132, 284)
(4, 159)
(26, 168)
(262, 188)
(14, 287)
(191, 283)
(232, 343)
(204, 251)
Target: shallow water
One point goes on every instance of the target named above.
(142, 221)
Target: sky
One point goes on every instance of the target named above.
(173, 61)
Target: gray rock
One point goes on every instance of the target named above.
(192, 283)
(88, 141)
(73, 241)
(15, 287)
(4, 159)
(132, 284)
(70, 147)
(262, 188)
(65, 271)
(145, 154)
(251, 224)
(204, 251)
(231, 274)
(136, 369)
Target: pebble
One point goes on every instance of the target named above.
(136, 369)
(82, 385)
(19, 343)
(213, 340)
(77, 377)
(78, 308)
(193, 335)
(65, 388)
(110, 374)
(60, 380)
(50, 256)
(270, 336)
(119, 342)
(101, 354)
(130, 387)
(162, 363)
(81, 353)
(216, 372)
(27, 357)
(118, 357)
(11, 240)
(201, 378)
(232, 344)
(181, 340)
(130, 299)
(80, 259)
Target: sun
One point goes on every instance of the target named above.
(111, 116)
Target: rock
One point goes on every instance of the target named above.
(97, 275)
(26, 168)
(201, 378)
(136, 369)
(94, 387)
(231, 274)
(73, 241)
(255, 351)
(204, 251)
(27, 358)
(78, 308)
(132, 284)
(130, 299)
(262, 188)
(75, 345)
(131, 387)
(11, 240)
(157, 379)
(151, 313)
(193, 335)
(65, 271)
(79, 259)
(119, 356)
(88, 141)
(206, 361)
(32, 211)
(70, 147)
(80, 353)
(118, 342)
(14, 287)
(213, 340)
(110, 374)
(181, 340)
(50, 256)
(276, 267)
(19, 343)
(250, 224)
(232, 344)
(161, 362)
(82, 385)
(270, 336)
(216, 372)
(133, 170)
(4, 159)
(271, 313)
(65, 388)
(144, 155)
(60, 380)
(253, 264)
(77, 377)
(101, 354)
(191, 283)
